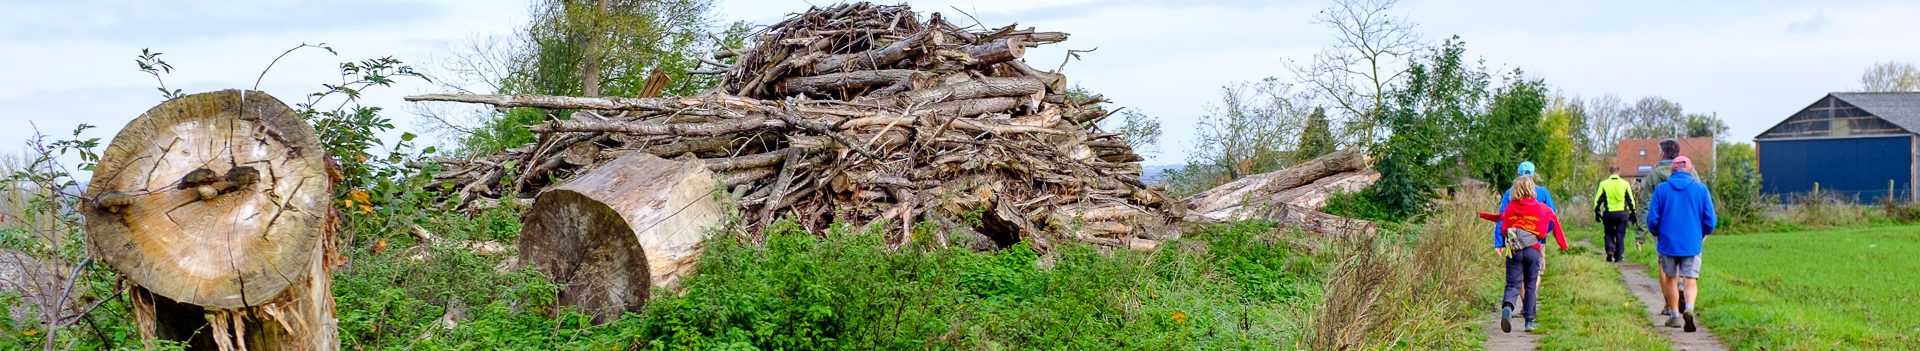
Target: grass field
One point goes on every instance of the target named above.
(1817, 290)
(1584, 306)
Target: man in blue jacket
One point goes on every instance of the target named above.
(1540, 193)
(1680, 215)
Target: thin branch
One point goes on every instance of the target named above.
(276, 59)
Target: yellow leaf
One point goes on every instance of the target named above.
(366, 209)
(360, 157)
(359, 195)
(30, 332)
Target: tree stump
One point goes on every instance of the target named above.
(216, 207)
(609, 236)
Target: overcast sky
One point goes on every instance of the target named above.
(1751, 62)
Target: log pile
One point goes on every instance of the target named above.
(865, 114)
(1292, 196)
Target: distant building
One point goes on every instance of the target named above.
(1862, 145)
(1636, 157)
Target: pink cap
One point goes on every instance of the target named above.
(1683, 163)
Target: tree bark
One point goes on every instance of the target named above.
(826, 84)
(216, 206)
(1259, 188)
(609, 236)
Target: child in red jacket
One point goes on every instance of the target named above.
(1525, 216)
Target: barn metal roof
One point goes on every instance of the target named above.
(1902, 108)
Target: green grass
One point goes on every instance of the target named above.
(1585, 306)
(1815, 290)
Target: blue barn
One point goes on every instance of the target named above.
(1860, 145)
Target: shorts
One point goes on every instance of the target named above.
(1681, 266)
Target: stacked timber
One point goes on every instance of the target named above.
(864, 114)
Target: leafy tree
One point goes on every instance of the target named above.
(1655, 117)
(1890, 76)
(591, 48)
(1702, 125)
(1560, 158)
(1316, 139)
(1440, 96)
(1736, 184)
(1510, 132)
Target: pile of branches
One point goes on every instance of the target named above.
(865, 114)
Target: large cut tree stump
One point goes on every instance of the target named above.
(216, 207)
(609, 236)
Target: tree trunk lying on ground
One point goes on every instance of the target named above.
(608, 236)
(868, 115)
(215, 206)
(1291, 196)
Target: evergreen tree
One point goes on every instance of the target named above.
(1316, 139)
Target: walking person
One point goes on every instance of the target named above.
(1526, 170)
(1524, 223)
(1681, 215)
(1613, 206)
(1669, 149)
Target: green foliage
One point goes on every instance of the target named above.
(151, 63)
(1227, 288)
(1428, 113)
(1583, 303)
(1840, 289)
(616, 48)
(1141, 131)
(1511, 132)
(1702, 126)
(1316, 138)
(1356, 205)
(1736, 186)
(42, 243)
(1559, 157)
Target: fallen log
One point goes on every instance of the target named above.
(1217, 203)
(1290, 196)
(216, 208)
(609, 236)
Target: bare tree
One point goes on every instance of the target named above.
(478, 65)
(1890, 76)
(1356, 71)
(1607, 122)
(1253, 129)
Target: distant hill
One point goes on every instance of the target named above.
(1156, 174)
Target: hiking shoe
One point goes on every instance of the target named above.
(1506, 318)
(1531, 327)
(1673, 322)
(1688, 316)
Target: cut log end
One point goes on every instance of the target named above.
(609, 236)
(168, 220)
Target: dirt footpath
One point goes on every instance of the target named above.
(1648, 289)
(1516, 341)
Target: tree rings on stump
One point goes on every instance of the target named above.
(215, 199)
